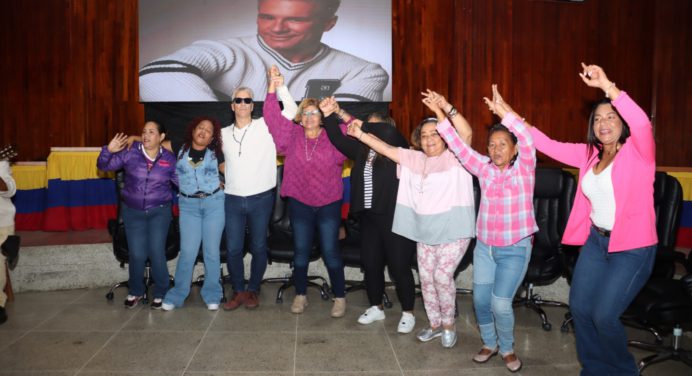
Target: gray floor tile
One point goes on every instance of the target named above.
(146, 351)
(26, 316)
(271, 373)
(344, 352)
(89, 317)
(265, 318)
(9, 337)
(243, 352)
(59, 333)
(126, 373)
(36, 373)
(194, 318)
(51, 351)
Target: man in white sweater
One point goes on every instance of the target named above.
(289, 34)
(250, 155)
(7, 210)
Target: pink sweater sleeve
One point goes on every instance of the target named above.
(568, 153)
(640, 126)
(279, 127)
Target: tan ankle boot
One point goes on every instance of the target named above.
(299, 304)
(339, 307)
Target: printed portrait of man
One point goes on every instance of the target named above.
(286, 33)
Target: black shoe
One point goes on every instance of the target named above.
(156, 304)
(3, 315)
(132, 301)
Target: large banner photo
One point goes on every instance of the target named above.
(202, 50)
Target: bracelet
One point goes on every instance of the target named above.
(612, 85)
(340, 114)
(452, 113)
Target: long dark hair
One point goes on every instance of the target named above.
(215, 144)
(591, 139)
(498, 127)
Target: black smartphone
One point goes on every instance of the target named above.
(319, 89)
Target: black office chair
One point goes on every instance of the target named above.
(350, 253)
(116, 228)
(281, 246)
(467, 260)
(553, 197)
(665, 303)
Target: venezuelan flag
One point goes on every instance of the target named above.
(30, 199)
(684, 239)
(79, 196)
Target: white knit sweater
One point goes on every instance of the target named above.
(211, 70)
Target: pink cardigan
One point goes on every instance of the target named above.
(633, 182)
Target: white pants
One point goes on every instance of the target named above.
(4, 233)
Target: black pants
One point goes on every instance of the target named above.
(380, 247)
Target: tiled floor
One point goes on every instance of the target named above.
(78, 332)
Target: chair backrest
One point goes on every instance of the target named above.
(552, 202)
(668, 206)
(116, 229)
(553, 197)
(280, 224)
(468, 256)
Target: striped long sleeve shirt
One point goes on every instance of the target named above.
(506, 210)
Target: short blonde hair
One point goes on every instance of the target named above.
(305, 103)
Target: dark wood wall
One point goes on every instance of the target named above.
(69, 67)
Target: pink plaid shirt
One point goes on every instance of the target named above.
(506, 210)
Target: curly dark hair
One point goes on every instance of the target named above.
(215, 144)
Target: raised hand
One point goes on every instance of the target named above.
(497, 105)
(275, 78)
(354, 130)
(434, 102)
(118, 143)
(328, 106)
(594, 76)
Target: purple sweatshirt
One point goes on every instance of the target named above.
(314, 182)
(145, 187)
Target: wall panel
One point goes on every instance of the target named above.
(68, 68)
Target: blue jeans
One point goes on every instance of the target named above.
(304, 220)
(201, 221)
(254, 212)
(603, 286)
(497, 274)
(146, 232)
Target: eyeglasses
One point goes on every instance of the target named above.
(242, 100)
(309, 113)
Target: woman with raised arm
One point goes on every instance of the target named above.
(373, 183)
(146, 206)
(506, 220)
(312, 182)
(434, 207)
(202, 218)
(613, 217)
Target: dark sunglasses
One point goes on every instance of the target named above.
(242, 100)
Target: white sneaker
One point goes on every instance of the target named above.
(406, 323)
(213, 307)
(167, 306)
(371, 315)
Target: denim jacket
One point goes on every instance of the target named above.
(203, 178)
(145, 188)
